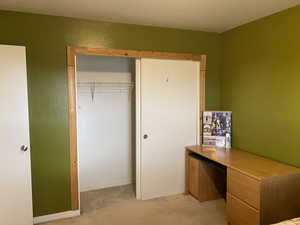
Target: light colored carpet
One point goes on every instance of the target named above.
(118, 206)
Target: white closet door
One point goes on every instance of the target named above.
(15, 172)
(169, 109)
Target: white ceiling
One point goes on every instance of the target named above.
(205, 15)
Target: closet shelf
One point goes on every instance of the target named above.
(106, 84)
(104, 87)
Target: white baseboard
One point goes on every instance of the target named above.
(56, 216)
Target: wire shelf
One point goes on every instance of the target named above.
(93, 88)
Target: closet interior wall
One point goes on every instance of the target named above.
(106, 121)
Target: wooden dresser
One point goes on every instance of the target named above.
(258, 191)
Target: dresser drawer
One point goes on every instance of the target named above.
(240, 213)
(244, 187)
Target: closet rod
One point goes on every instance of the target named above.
(106, 84)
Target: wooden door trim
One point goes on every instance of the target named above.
(72, 51)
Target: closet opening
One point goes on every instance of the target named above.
(154, 165)
(105, 129)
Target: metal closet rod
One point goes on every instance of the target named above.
(104, 87)
(106, 84)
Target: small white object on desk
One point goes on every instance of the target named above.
(228, 141)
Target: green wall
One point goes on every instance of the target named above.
(46, 38)
(260, 84)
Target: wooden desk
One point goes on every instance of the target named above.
(259, 191)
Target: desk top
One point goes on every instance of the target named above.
(247, 163)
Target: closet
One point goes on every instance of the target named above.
(105, 121)
(134, 116)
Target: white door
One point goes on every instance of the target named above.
(15, 172)
(168, 122)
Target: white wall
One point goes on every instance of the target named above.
(104, 123)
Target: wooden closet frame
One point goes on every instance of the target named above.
(72, 51)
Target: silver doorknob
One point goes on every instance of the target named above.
(24, 148)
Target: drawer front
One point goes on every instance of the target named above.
(240, 213)
(244, 187)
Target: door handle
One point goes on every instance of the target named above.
(24, 148)
(145, 136)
